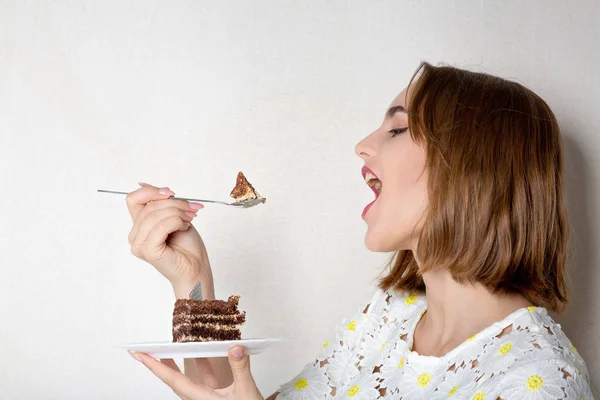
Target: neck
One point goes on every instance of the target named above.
(456, 311)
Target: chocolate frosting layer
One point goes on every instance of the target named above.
(218, 307)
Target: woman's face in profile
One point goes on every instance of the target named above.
(394, 219)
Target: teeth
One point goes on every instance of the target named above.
(373, 181)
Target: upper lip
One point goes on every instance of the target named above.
(366, 169)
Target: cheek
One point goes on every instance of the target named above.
(398, 218)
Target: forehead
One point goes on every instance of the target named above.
(400, 100)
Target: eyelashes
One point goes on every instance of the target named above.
(395, 132)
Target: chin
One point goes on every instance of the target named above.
(381, 242)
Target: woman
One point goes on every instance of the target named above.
(470, 198)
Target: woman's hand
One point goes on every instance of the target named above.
(163, 236)
(242, 388)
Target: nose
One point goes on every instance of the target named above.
(365, 149)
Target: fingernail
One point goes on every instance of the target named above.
(191, 214)
(134, 355)
(237, 353)
(166, 192)
(144, 184)
(196, 206)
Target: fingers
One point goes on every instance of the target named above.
(137, 199)
(170, 363)
(240, 368)
(159, 212)
(152, 248)
(182, 385)
(150, 208)
(163, 203)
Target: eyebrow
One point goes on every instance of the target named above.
(393, 110)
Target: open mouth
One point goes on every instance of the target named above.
(374, 183)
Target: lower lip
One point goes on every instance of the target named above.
(367, 208)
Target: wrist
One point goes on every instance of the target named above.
(182, 289)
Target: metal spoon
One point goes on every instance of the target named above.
(245, 203)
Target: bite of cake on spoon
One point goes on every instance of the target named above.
(244, 191)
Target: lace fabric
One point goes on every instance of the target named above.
(371, 358)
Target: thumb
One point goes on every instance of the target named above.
(239, 361)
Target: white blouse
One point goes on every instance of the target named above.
(371, 358)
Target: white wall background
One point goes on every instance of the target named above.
(102, 94)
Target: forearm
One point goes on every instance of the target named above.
(219, 364)
(222, 371)
(182, 289)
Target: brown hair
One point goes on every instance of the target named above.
(496, 210)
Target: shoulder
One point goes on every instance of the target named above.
(380, 308)
(382, 302)
(544, 372)
(548, 335)
(535, 356)
(403, 306)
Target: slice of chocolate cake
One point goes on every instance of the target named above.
(243, 190)
(207, 320)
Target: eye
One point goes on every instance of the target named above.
(398, 131)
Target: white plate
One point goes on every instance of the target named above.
(201, 349)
